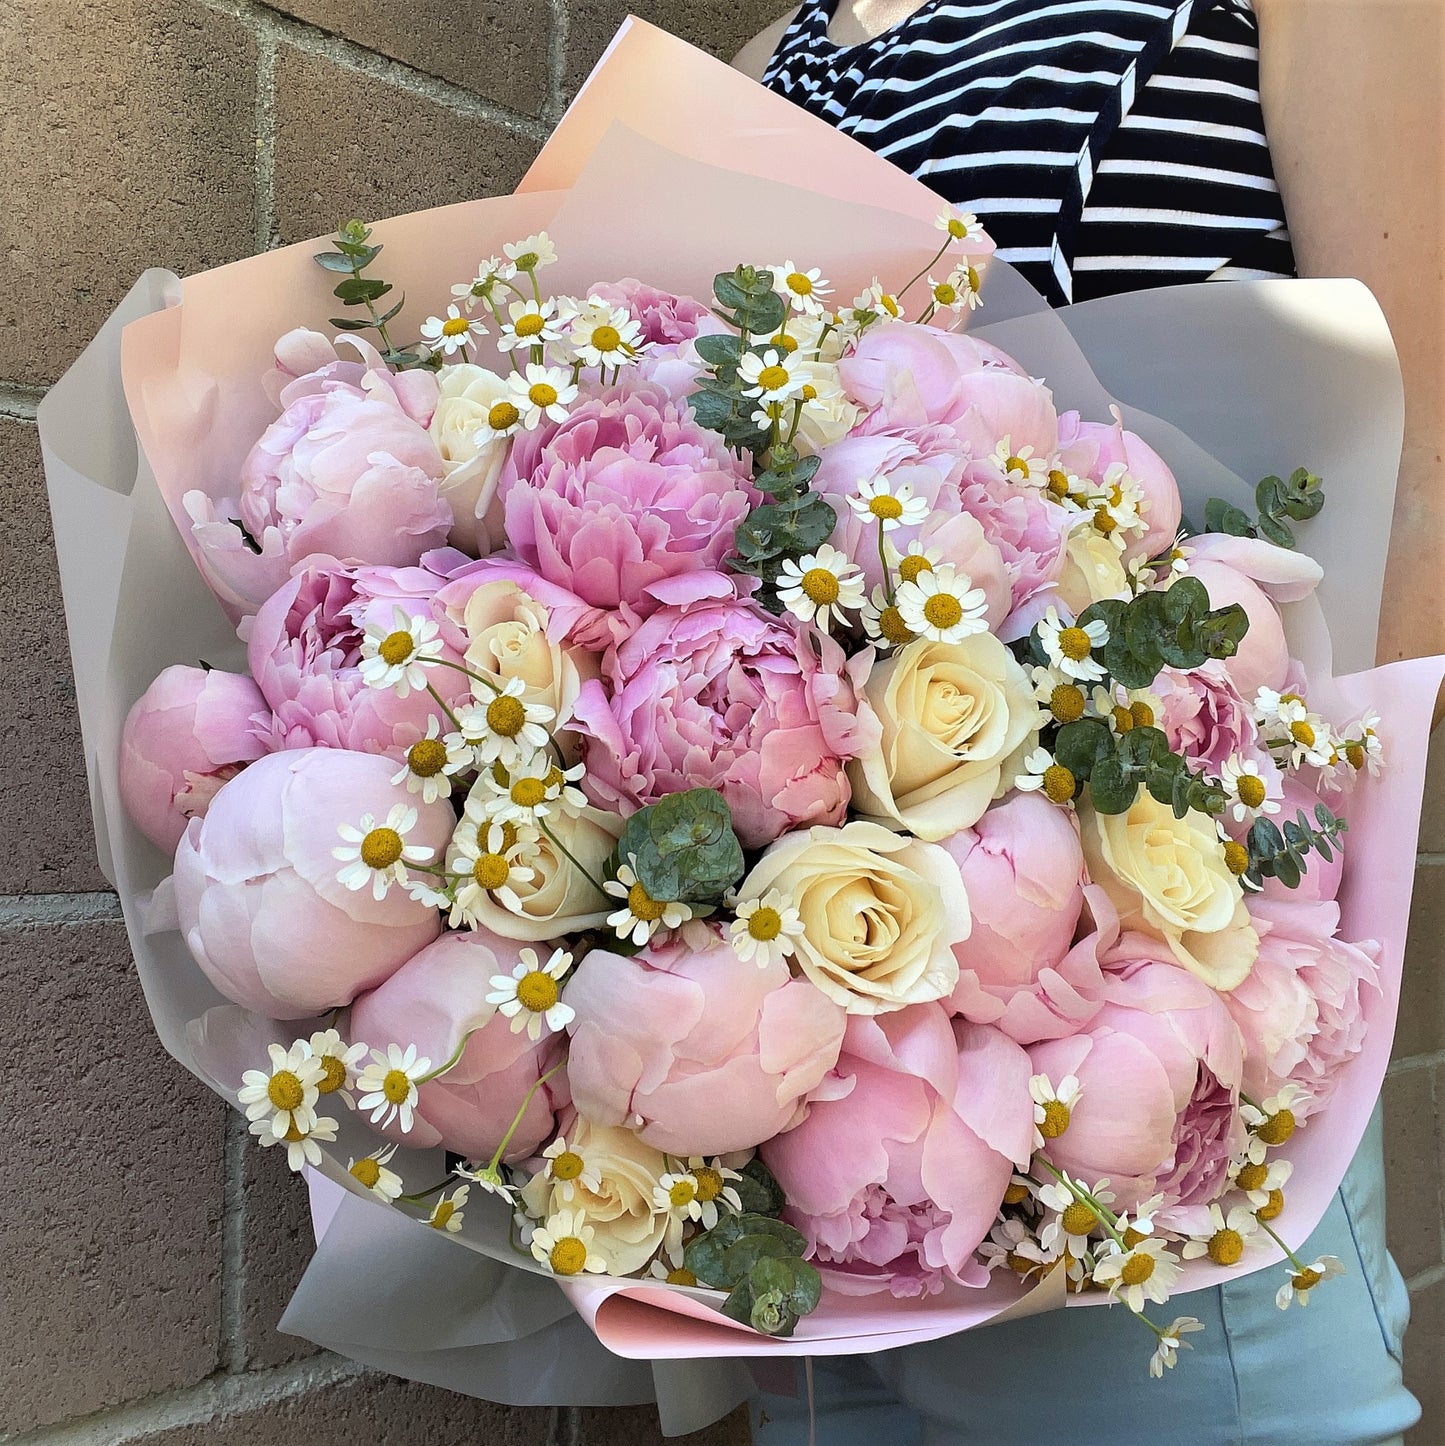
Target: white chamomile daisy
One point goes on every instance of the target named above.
(947, 295)
(286, 1093)
(712, 1178)
(398, 659)
(451, 333)
(641, 916)
(802, 290)
(918, 559)
(541, 391)
(1244, 788)
(507, 728)
(961, 225)
(566, 1168)
(1059, 1194)
(1228, 1238)
(425, 768)
(480, 287)
(388, 1084)
(503, 419)
(604, 335)
(1042, 771)
(967, 285)
(877, 302)
(675, 1194)
(1053, 1106)
(371, 1171)
(564, 1245)
(1301, 1282)
(303, 1142)
(338, 1061)
(1263, 1183)
(447, 1212)
(1070, 648)
(1362, 746)
(377, 854)
(776, 376)
(531, 253)
(489, 1178)
(491, 861)
(1307, 737)
(1144, 1273)
(671, 1274)
(526, 795)
(1019, 465)
(531, 995)
(1171, 1342)
(528, 324)
(1272, 1122)
(883, 623)
(891, 508)
(765, 928)
(821, 586)
(943, 605)
(1011, 1243)
(1070, 1231)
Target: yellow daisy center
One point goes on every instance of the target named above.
(455, 326)
(784, 342)
(1250, 789)
(568, 1256)
(1251, 1177)
(773, 379)
(1123, 719)
(396, 648)
(1016, 1194)
(943, 610)
(491, 871)
(809, 392)
(681, 1192)
(396, 1086)
(285, 1090)
(1137, 1269)
(643, 906)
(956, 228)
(529, 325)
(912, 565)
(381, 848)
(1021, 1264)
(972, 279)
(1303, 733)
(567, 1166)
(426, 757)
(1075, 644)
(886, 507)
(709, 1183)
(799, 284)
(1104, 521)
(1143, 715)
(1066, 703)
(1226, 1247)
(367, 1171)
(1015, 464)
(945, 293)
(506, 715)
(502, 416)
(889, 304)
(894, 629)
(542, 394)
(1236, 858)
(1055, 1121)
(293, 1136)
(1059, 784)
(1058, 483)
(333, 1075)
(606, 338)
(528, 792)
(1079, 1219)
(1272, 1208)
(765, 924)
(442, 1214)
(1307, 1279)
(1277, 1128)
(1133, 1237)
(1355, 752)
(681, 1276)
(536, 991)
(820, 586)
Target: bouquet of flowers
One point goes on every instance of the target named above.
(741, 799)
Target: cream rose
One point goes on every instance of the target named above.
(951, 716)
(881, 913)
(508, 633)
(557, 899)
(1093, 570)
(1167, 877)
(629, 1227)
(472, 458)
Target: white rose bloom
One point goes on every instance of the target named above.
(1094, 569)
(1167, 877)
(473, 458)
(881, 913)
(952, 715)
(629, 1227)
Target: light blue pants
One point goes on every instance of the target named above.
(1325, 1376)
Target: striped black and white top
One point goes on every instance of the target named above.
(1107, 145)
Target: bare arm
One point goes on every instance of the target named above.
(1353, 103)
(753, 58)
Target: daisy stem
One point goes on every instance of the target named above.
(932, 262)
(1103, 1214)
(797, 418)
(426, 1194)
(928, 313)
(477, 677)
(443, 705)
(883, 560)
(1293, 1259)
(496, 1159)
(451, 1063)
(572, 858)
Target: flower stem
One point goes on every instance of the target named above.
(1102, 1213)
(477, 677)
(933, 261)
(496, 1159)
(422, 1195)
(443, 705)
(571, 857)
(1293, 1259)
(451, 1063)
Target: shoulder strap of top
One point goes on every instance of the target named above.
(808, 26)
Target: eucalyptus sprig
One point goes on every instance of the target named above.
(1276, 854)
(683, 847)
(352, 256)
(759, 1261)
(1280, 501)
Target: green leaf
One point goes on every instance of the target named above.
(334, 261)
(1222, 516)
(685, 847)
(350, 323)
(1081, 745)
(1112, 790)
(394, 312)
(721, 349)
(358, 289)
(758, 1190)
(740, 1257)
(1275, 531)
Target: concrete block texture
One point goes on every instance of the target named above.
(128, 132)
(1414, 1143)
(638, 1426)
(111, 1211)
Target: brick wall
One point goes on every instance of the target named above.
(148, 1254)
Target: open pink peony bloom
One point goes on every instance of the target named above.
(897, 1172)
(626, 494)
(433, 1001)
(1302, 1008)
(304, 650)
(711, 1053)
(666, 319)
(1022, 868)
(1090, 449)
(257, 893)
(189, 732)
(722, 695)
(1160, 1067)
(346, 470)
(1205, 718)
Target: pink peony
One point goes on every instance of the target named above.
(897, 1172)
(1205, 718)
(1301, 1010)
(304, 650)
(666, 319)
(1160, 1067)
(257, 893)
(626, 494)
(1263, 657)
(189, 732)
(1030, 533)
(1022, 869)
(721, 695)
(433, 1001)
(710, 1053)
(1090, 449)
(347, 470)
